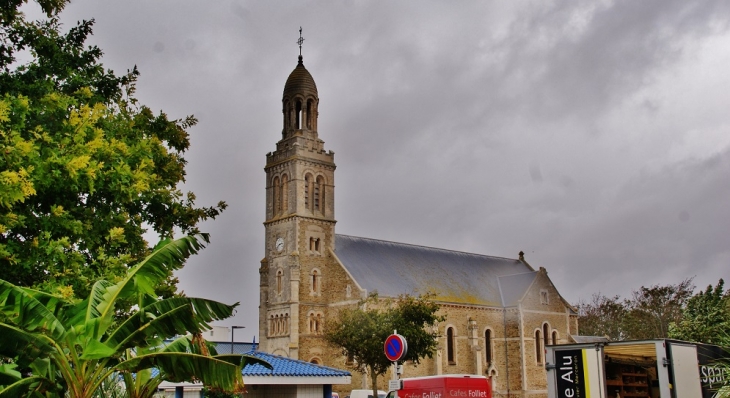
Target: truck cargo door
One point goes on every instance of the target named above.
(685, 371)
(578, 373)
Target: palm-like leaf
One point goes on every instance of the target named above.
(8, 374)
(23, 346)
(153, 320)
(243, 360)
(141, 384)
(143, 277)
(30, 386)
(180, 366)
(25, 311)
(56, 305)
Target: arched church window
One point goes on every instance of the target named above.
(284, 193)
(299, 115)
(279, 275)
(307, 190)
(310, 113)
(450, 355)
(319, 194)
(555, 337)
(276, 199)
(314, 244)
(285, 111)
(315, 281)
(538, 347)
(488, 346)
(545, 334)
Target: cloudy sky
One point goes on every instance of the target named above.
(593, 136)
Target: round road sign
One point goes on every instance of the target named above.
(395, 347)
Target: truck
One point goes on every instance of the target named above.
(442, 386)
(659, 368)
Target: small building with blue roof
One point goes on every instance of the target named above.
(289, 378)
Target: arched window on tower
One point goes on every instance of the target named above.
(450, 355)
(316, 281)
(310, 114)
(538, 347)
(555, 337)
(284, 193)
(285, 112)
(318, 194)
(488, 346)
(298, 120)
(307, 190)
(279, 276)
(276, 199)
(545, 334)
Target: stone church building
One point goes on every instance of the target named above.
(500, 312)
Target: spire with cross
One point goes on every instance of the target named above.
(300, 41)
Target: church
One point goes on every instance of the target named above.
(500, 312)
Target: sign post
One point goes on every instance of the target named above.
(395, 348)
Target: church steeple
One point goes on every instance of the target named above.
(300, 172)
(300, 102)
(300, 219)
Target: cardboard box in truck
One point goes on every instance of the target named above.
(444, 386)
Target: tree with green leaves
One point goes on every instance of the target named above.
(85, 169)
(603, 316)
(647, 315)
(361, 332)
(706, 317)
(653, 309)
(52, 346)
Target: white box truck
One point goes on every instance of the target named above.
(642, 369)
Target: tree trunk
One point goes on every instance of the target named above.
(374, 380)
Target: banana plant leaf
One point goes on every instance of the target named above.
(26, 312)
(243, 360)
(179, 367)
(158, 319)
(8, 374)
(28, 387)
(141, 279)
(24, 346)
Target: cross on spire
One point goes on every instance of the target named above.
(300, 41)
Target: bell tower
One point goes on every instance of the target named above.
(300, 219)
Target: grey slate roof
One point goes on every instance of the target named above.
(392, 268)
(589, 339)
(513, 287)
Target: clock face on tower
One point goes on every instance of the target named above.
(279, 244)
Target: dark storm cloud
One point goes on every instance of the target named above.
(593, 136)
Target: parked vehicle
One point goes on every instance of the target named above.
(366, 394)
(642, 369)
(444, 386)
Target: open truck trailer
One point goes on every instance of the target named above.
(642, 369)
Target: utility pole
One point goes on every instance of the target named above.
(233, 329)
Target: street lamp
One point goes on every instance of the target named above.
(233, 329)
